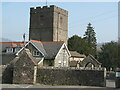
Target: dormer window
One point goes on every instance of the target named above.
(9, 50)
(36, 53)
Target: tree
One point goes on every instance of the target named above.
(90, 39)
(109, 55)
(76, 43)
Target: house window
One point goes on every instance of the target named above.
(36, 53)
(9, 50)
(59, 62)
(64, 62)
(17, 49)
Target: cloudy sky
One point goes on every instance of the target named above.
(102, 15)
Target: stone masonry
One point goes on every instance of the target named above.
(48, 24)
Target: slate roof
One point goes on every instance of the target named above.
(52, 49)
(4, 45)
(76, 54)
(90, 58)
(49, 49)
(39, 46)
(7, 57)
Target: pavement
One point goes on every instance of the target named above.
(110, 85)
(43, 86)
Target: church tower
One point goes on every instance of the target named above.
(48, 24)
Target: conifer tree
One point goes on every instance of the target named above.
(90, 38)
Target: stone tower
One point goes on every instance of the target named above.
(48, 24)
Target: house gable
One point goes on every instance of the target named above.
(32, 48)
(25, 59)
(63, 46)
(62, 57)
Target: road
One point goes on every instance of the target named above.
(110, 85)
(40, 87)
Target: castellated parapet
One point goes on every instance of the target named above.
(48, 24)
(52, 8)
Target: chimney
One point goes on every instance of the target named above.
(24, 36)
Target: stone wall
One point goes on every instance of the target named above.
(55, 76)
(48, 24)
(23, 75)
(7, 74)
(71, 77)
(23, 72)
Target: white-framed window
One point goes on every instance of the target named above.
(64, 62)
(36, 53)
(17, 49)
(59, 62)
(9, 50)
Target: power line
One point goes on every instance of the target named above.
(98, 16)
(77, 24)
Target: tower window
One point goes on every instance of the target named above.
(61, 20)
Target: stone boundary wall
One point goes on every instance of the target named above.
(7, 74)
(62, 76)
(71, 76)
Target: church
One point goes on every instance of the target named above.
(48, 36)
(46, 48)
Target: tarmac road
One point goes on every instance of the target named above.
(110, 85)
(48, 87)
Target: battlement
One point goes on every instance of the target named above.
(51, 8)
(48, 23)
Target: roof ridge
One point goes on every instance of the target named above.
(47, 41)
(35, 41)
(94, 58)
(12, 42)
(54, 42)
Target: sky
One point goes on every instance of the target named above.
(102, 15)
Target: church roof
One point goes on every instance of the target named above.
(48, 49)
